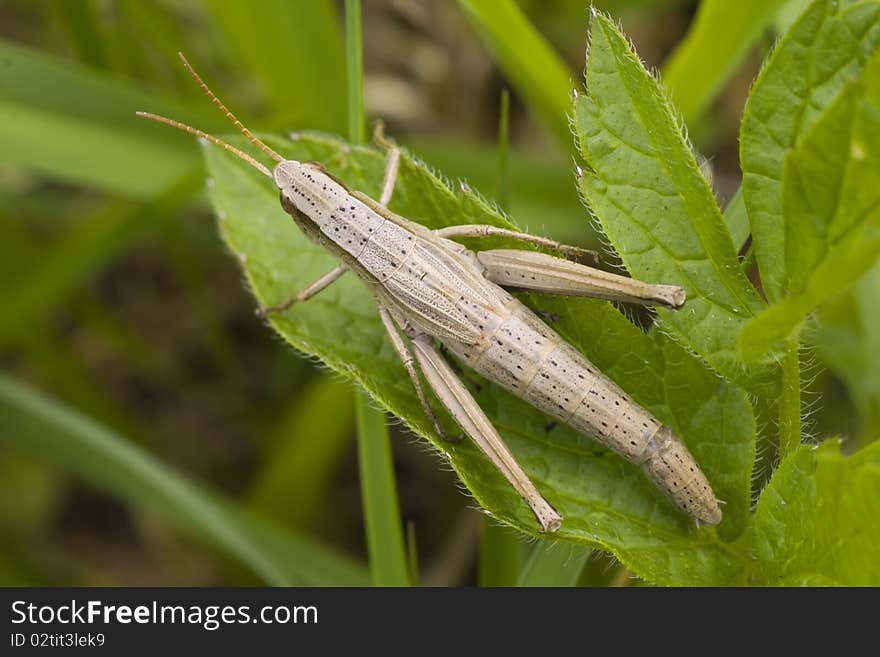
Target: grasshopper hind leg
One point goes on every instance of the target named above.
(470, 417)
(529, 270)
(485, 230)
(407, 359)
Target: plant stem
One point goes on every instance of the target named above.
(499, 555)
(790, 401)
(503, 159)
(412, 553)
(537, 72)
(389, 564)
(554, 564)
(389, 561)
(499, 547)
(355, 71)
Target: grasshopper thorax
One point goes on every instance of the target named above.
(314, 197)
(310, 190)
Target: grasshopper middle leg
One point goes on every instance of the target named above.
(392, 165)
(485, 230)
(306, 293)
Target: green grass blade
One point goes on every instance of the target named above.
(305, 448)
(554, 564)
(77, 125)
(389, 563)
(721, 35)
(57, 435)
(354, 47)
(503, 196)
(537, 72)
(31, 292)
(81, 23)
(499, 555)
(294, 49)
(159, 35)
(412, 554)
(499, 547)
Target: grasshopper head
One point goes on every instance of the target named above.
(307, 188)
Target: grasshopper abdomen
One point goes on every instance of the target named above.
(532, 361)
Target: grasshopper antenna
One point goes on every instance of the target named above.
(211, 138)
(229, 115)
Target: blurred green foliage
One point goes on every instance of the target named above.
(153, 431)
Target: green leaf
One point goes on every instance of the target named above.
(721, 35)
(607, 502)
(389, 562)
(831, 204)
(831, 183)
(294, 49)
(537, 72)
(849, 259)
(815, 523)
(808, 70)
(643, 184)
(849, 344)
(57, 435)
(63, 120)
(554, 564)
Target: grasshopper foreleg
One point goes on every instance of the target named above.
(306, 293)
(544, 273)
(484, 230)
(473, 421)
(392, 165)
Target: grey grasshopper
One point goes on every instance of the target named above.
(430, 289)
